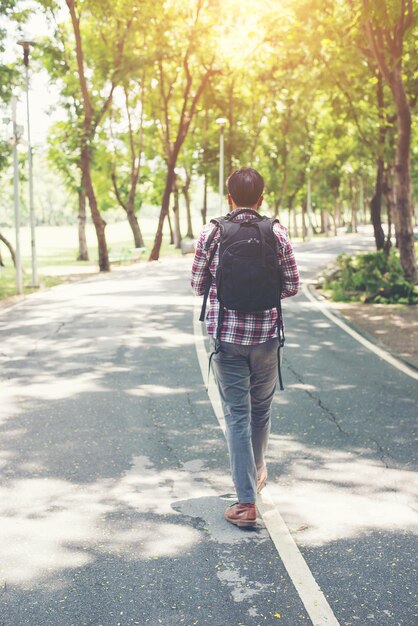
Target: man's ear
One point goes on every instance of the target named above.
(229, 200)
(260, 201)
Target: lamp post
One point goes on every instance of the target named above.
(17, 133)
(26, 44)
(309, 203)
(221, 121)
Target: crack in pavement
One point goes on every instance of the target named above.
(381, 453)
(329, 414)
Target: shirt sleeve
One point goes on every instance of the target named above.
(289, 266)
(199, 276)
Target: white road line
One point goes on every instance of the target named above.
(323, 308)
(302, 578)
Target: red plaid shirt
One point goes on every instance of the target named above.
(243, 328)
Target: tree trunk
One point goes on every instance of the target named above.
(353, 216)
(361, 212)
(388, 192)
(129, 207)
(170, 228)
(204, 210)
(279, 200)
(98, 221)
(83, 253)
(295, 232)
(304, 216)
(276, 207)
(10, 247)
(337, 214)
(403, 224)
(322, 227)
(186, 193)
(376, 207)
(155, 252)
(294, 217)
(134, 224)
(90, 123)
(376, 201)
(176, 211)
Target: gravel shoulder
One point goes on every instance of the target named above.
(392, 326)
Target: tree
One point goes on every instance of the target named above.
(90, 70)
(9, 247)
(387, 25)
(126, 192)
(182, 74)
(64, 137)
(114, 38)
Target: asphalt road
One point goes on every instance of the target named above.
(115, 470)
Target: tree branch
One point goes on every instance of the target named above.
(349, 99)
(378, 54)
(119, 54)
(117, 192)
(128, 115)
(88, 109)
(409, 18)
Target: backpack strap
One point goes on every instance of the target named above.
(218, 224)
(208, 284)
(280, 324)
(216, 221)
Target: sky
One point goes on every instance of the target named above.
(43, 97)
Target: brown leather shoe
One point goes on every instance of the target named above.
(241, 514)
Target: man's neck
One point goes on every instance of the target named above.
(243, 208)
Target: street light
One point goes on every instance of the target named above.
(17, 134)
(26, 44)
(221, 121)
(309, 203)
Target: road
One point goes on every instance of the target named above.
(115, 470)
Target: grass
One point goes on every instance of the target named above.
(8, 282)
(57, 248)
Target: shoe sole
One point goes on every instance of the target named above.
(242, 523)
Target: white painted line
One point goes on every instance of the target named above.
(323, 308)
(313, 599)
(315, 603)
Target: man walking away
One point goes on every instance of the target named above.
(246, 335)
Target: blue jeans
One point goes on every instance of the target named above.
(246, 377)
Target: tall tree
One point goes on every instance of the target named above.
(183, 69)
(387, 25)
(94, 110)
(125, 183)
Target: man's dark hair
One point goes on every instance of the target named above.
(245, 186)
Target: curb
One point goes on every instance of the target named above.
(371, 338)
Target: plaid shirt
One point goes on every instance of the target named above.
(243, 328)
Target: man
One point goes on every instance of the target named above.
(245, 350)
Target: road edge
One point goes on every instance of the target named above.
(359, 334)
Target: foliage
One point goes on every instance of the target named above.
(371, 277)
(296, 80)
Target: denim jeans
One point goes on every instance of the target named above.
(246, 377)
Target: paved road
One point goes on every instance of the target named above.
(115, 471)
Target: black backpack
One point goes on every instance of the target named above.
(249, 278)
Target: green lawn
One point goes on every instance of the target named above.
(57, 254)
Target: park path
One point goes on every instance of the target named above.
(115, 471)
